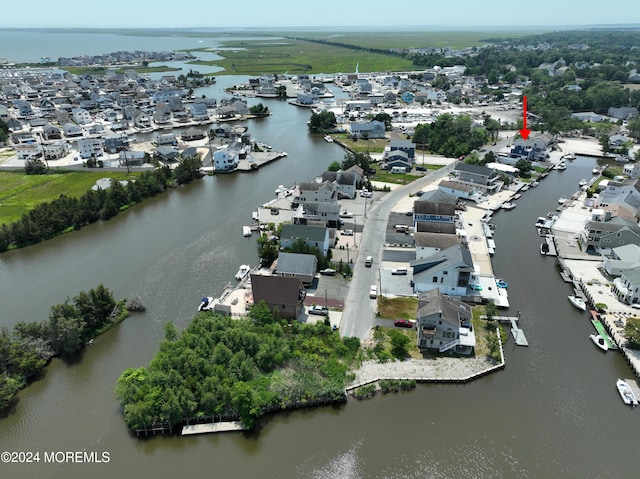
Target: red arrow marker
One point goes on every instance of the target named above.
(524, 132)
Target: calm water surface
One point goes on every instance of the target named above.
(553, 412)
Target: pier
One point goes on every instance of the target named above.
(516, 332)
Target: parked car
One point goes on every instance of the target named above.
(373, 291)
(420, 168)
(366, 194)
(368, 261)
(403, 323)
(328, 272)
(347, 232)
(319, 310)
(399, 271)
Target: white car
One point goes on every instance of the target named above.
(366, 194)
(347, 232)
(373, 291)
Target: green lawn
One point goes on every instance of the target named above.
(19, 192)
(395, 178)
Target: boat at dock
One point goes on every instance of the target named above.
(626, 393)
(562, 200)
(583, 182)
(544, 248)
(569, 156)
(508, 206)
(246, 231)
(599, 341)
(243, 272)
(560, 166)
(206, 303)
(577, 302)
(328, 139)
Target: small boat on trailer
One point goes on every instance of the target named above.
(599, 341)
(626, 393)
(577, 302)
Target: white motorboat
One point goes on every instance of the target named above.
(599, 341)
(562, 200)
(328, 139)
(626, 393)
(206, 304)
(583, 182)
(246, 231)
(578, 302)
(508, 206)
(243, 271)
(560, 166)
(569, 156)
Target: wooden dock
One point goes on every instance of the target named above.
(227, 426)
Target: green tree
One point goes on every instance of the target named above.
(399, 344)
(322, 122)
(632, 332)
(35, 167)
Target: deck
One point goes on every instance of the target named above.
(602, 331)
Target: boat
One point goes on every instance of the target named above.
(562, 200)
(626, 393)
(569, 156)
(595, 171)
(508, 206)
(544, 248)
(206, 304)
(243, 271)
(246, 231)
(328, 139)
(560, 166)
(534, 183)
(578, 302)
(599, 341)
(583, 182)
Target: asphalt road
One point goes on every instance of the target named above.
(359, 314)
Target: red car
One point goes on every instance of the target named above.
(403, 323)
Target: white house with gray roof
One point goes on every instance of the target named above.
(622, 258)
(313, 236)
(627, 286)
(449, 270)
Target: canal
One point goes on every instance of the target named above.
(552, 412)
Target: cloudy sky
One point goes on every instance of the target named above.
(302, 13)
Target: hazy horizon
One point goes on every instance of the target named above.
(287, 14)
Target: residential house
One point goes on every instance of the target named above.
(602, 233)
(136, 157)
(50, 132)
(283, 296)
(89, 148)
(459, 190)
(437, 212)
(327, 214)
(371, 129)
(316, 192)
(444, 323)
(406, 146)
(481, 177)
(141, 120)
(345, 182)
(313, 236)
(357, 105)
(358, 172)
(192, 134)
(623, 113)
(225, 160)
(56, 150)
(428, 244)
(81, 116)
(627, 286)
(397, 160)
(449, 269)
(297, 265)
(199, 111)
(28, 151)
(115, 143)
(622, 258)
(166, 154)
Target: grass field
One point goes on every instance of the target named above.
(398, 308)
(19, 192)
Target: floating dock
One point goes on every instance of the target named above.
(213, 427)
(602, 331)
(518, 334)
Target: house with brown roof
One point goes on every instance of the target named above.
(284, 296)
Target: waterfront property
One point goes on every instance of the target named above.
(283, 296)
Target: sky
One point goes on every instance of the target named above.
(304, 13)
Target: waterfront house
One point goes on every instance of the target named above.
(627, 286)
(313, 236)
(371, 129)
(115, 143)
(199, 111)
(444, 323)
(407, 146)
(316, 192)
(22, 137)
(358, 172)
(318, 213)
(449, 269)
(283, 296)
(297, 265)
(434, 212)
(459, 190)
(398, 161)
(481, 177)
(192, 134)
(166, 154)
(604, 232)
(622, 258)
(132, 158)
(345, 182)
(428, 244)
(225, 160)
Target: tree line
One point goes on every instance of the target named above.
(64, 213)
(28, 348)
(236, 368)
(452, 136)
